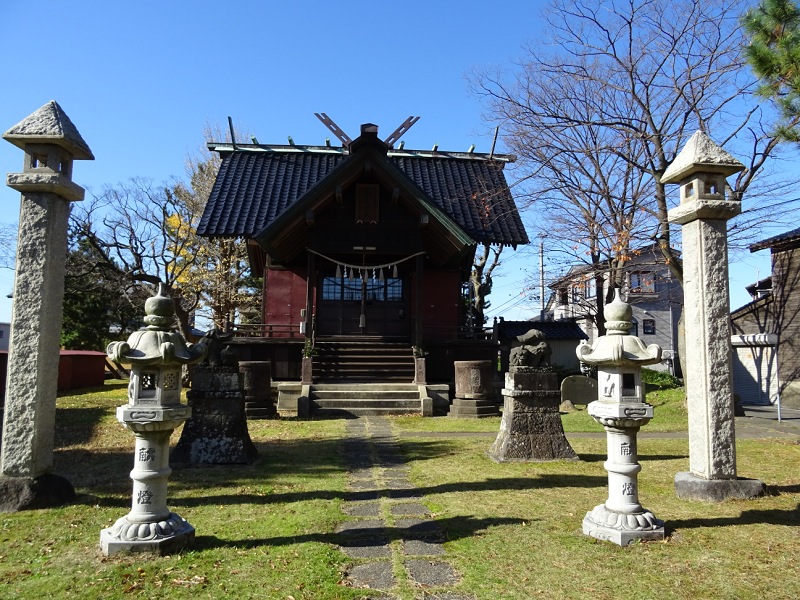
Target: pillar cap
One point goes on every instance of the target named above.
(49, 125)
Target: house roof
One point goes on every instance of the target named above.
(641, 257)
(256, 184)
(779, 240)
(552, 330)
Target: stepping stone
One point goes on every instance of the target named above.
(431, 573)
(396, 471)
(409, 509)
(419, 528)
(366, 548)
(358, 496)
(376, 575)
(363, 527)
(362, 484)
(362, 509)
(361, 473)
(398, 484)
(405, 494)
(445, 596)
(422, 548)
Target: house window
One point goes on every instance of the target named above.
(649, 326)
(590, 289)
(642, 283)
(563, 296)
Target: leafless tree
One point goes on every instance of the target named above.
(480, 280)
(143, 231)
(621, 87)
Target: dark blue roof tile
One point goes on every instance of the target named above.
(253, 188)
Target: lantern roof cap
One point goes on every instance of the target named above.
(157, 343)
(700, 155)
(617, 348)
(50, 125)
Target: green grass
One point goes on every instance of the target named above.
(513, 530)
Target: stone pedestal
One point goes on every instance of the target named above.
(217, 432)
(621, 519)
(474, 393)
(256, 384)
(531, 427)
(150, 526)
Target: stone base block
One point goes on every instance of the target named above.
(171, 535)
(689, 486)
(216, 434)
(29, 493)
(620, 529)
(472, 408)
(531, 430)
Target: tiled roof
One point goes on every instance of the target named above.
(783, 238)
(552, 330)
(253, 187)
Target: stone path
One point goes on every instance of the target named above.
(389, 534)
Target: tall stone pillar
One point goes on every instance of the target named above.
(51, 142)
(703, 212)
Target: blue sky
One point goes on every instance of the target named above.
(140, 80)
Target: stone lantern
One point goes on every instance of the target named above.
(621, 410)
(156, 355)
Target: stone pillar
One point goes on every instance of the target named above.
(474, 393)
(703, 212)
(51, 142)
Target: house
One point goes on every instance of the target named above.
(654, 295)
(766, 362)
(5, 334)
(363, 250)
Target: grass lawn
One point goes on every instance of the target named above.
(513, 530)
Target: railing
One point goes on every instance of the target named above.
(266, 330)
(282, 330)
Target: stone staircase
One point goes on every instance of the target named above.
(367, 399)
(363, 360)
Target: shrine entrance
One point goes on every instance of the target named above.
(361, 304)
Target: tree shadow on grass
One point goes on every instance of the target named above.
(449, 529)
(99, 474)
(789, 518)
(591, 458)
(75, 426)
(539, 482)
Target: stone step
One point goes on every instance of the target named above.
(371, 387)
(364, 412)
(360, 395)
(347, 403)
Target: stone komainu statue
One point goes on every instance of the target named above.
(532, 350)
